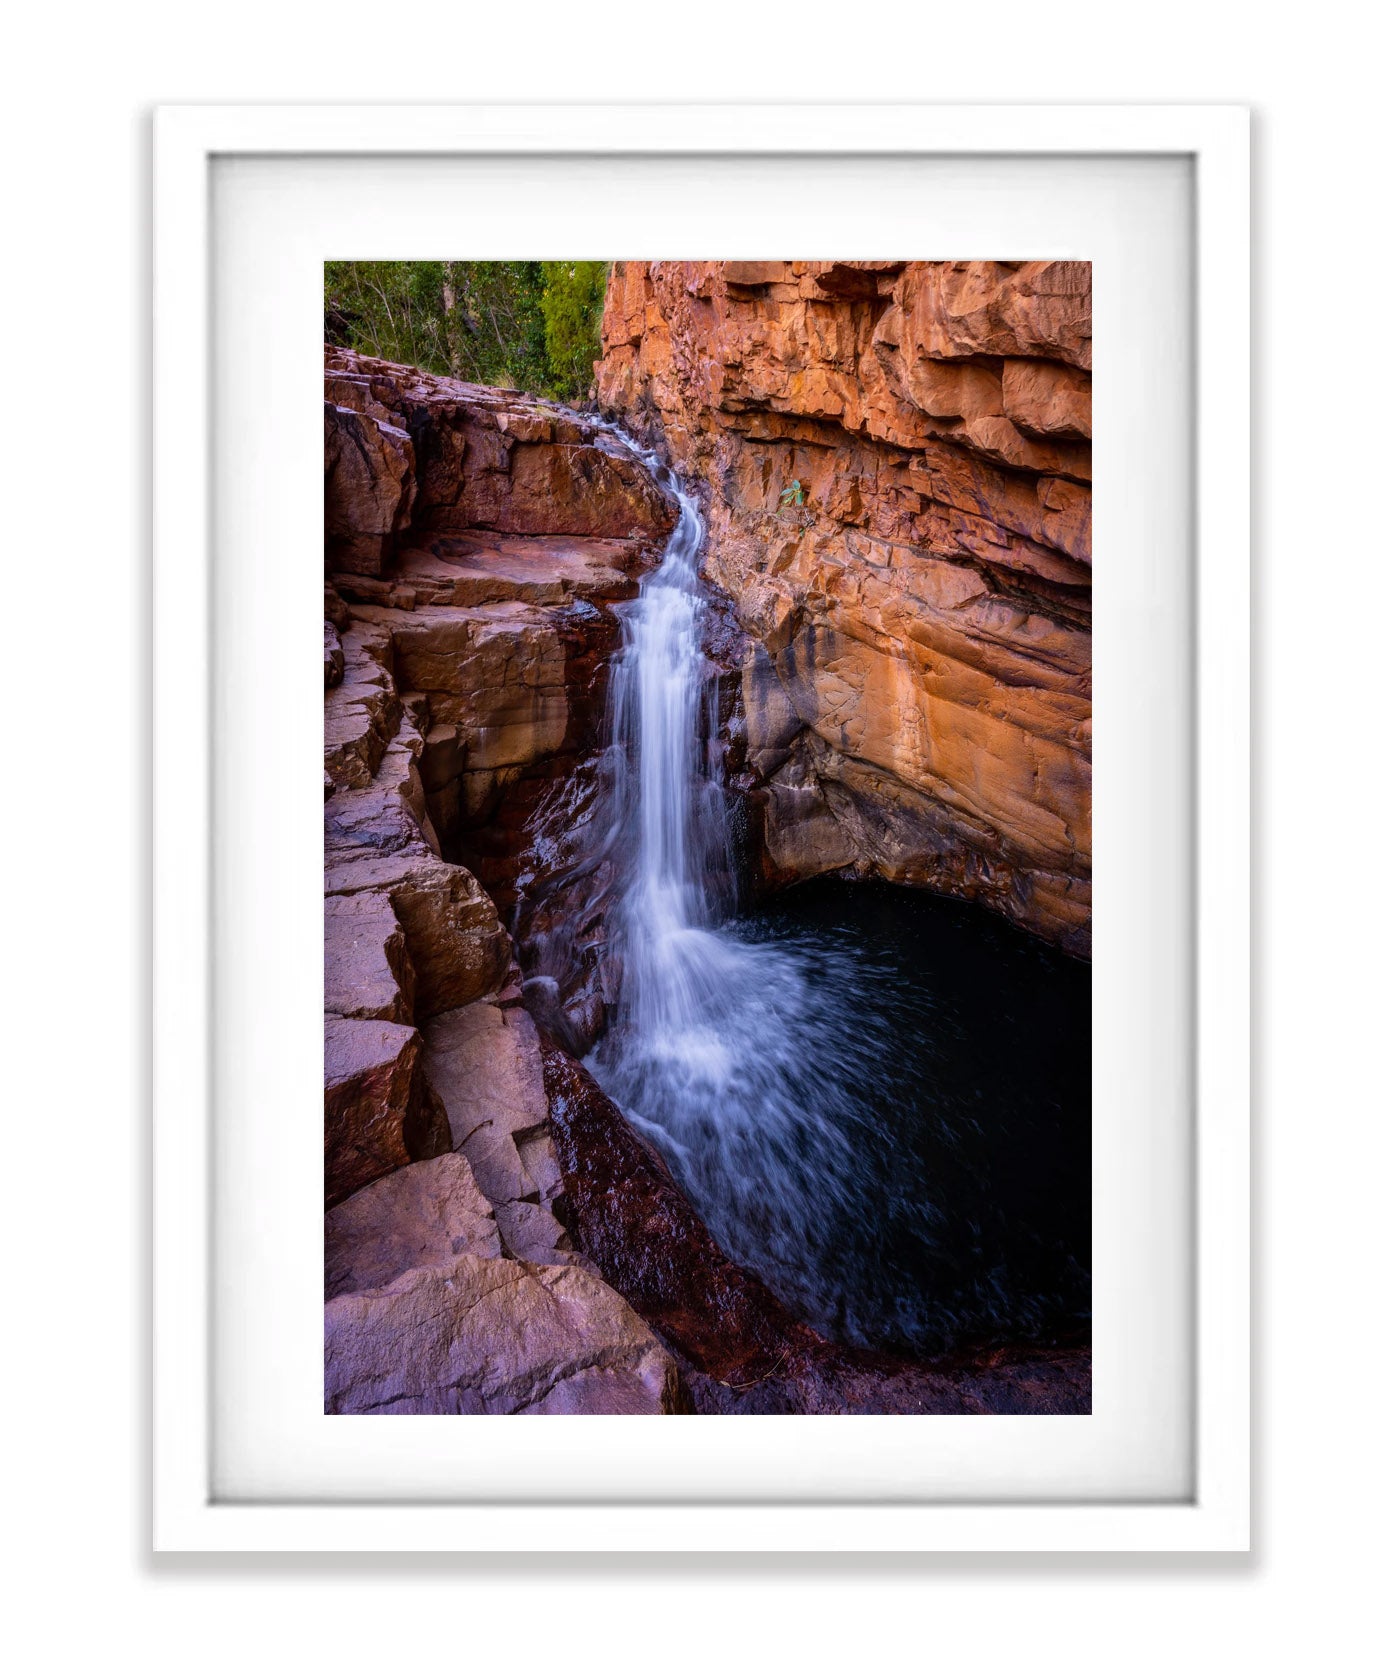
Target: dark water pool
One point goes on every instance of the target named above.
(951, 1053)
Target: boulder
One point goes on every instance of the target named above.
(367, 972)
(485, 1336)
(423, 1215)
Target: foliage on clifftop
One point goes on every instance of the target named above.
(528, 326)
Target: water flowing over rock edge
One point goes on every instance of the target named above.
(763, 1063)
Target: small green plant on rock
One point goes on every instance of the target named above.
(792, 497)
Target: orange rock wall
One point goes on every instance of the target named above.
(916, 668)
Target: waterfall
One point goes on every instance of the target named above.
(669, 819)
(811, 1084)
(747, 1061)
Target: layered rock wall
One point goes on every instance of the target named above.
(473, 540)
(915, 662)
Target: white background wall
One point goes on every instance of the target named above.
(73, 331)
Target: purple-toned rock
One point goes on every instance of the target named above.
(422, 1215)
(483, 1336)
(379, 1115)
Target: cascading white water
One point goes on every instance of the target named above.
(743, 1059)
(787, 1074)
(669, 818)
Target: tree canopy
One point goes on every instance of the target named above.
(530, 326)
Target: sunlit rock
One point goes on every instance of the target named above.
(926, 605)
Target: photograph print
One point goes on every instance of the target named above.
(707, 659)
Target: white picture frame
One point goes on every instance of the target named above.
(187, 1515)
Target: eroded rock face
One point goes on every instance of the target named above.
(475, 638)
(485, 1060)
(464, 670)
(428, 1312)
(463, 662)
(406, 933)
(379, 1115)
(915, 662)
(405, 449)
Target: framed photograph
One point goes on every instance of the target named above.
(783, 1074)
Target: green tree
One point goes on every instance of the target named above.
(525, 325)
(572, 302)
(389, 309)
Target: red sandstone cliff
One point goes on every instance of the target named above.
(916, 669)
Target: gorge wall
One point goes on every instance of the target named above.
(498, 1238)
(913, 638)
(472, 539)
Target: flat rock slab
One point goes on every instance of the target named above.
(426, 1214)
(484, 1337)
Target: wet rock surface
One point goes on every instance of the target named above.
(740, 1350)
